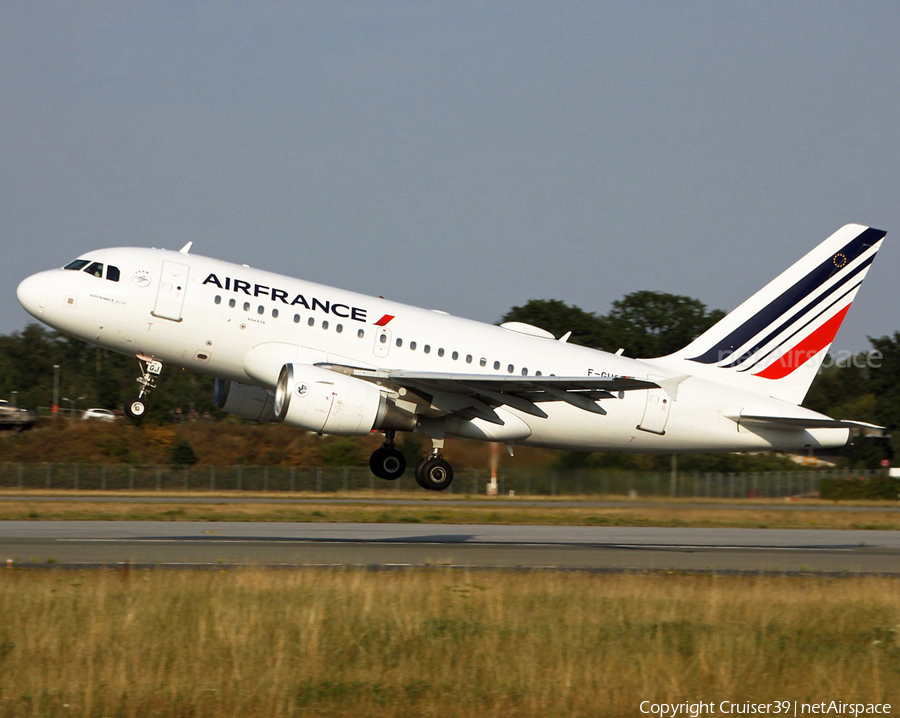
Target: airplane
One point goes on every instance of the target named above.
(332, 361)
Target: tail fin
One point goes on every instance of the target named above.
(775, 341)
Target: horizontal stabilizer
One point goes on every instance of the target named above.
(801, 422)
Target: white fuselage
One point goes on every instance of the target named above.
(243, 324)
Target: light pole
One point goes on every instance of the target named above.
(55, 408)
(12, 397)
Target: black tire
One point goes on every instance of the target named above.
(388, 464)
(136, 408)
(419, 480)
(434, 474)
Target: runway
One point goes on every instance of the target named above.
(438, 502)
(219, 544)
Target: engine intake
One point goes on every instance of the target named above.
(327, 402)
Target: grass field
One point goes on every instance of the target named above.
(435, 643)
(719, 514)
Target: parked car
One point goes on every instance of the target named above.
(101, 414)
(8, 409)
(15, 418)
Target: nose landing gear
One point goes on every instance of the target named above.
(150, 369)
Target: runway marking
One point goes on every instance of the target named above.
(398, 542)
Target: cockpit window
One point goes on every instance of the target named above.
(95, 268)
(112, 273)
(77, 264)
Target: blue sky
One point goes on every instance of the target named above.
(464, 156)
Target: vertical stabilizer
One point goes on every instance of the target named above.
(776, 341)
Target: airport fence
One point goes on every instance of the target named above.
(322, 479)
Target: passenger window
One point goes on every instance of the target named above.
(325, 324)
(232, 303)
(218, 299)
(311, 321)
(260, 309)
(441, 352)
(246, 306)
(361, 333)
(399, 342)
(468, 358)
(95, 268)
(275, 314)
(537, 373)
(382, 339)
(296, 319)
(412, 346)
(483, 361)
(339, 328)
(77, 264)
(524, 371)
(427, 349)
(112, 273)
(510, 369)
(454, 356)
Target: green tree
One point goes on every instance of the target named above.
(651, 324)
(101, 377)
(183, 453)
(862, 389)
(644, 323)
(557, 317)
(884, 383)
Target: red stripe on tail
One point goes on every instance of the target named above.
(806, 349)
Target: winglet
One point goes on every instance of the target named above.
(186, 248)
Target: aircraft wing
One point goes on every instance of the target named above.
(476, 395)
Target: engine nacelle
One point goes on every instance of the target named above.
(249, 402)
(327, 402)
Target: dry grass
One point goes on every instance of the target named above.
(687, 514)
(434, 643)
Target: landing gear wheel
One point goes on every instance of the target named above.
(136, 408)
(434, 474)
(387, 463)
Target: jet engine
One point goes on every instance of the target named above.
(328, 402)
(249, 402)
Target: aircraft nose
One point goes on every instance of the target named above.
(32, 294)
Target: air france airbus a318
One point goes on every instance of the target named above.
(336, 362)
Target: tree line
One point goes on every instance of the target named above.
(643, 324)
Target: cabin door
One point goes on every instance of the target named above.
(172, 288)
(656, 410)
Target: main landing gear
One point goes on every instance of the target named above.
(150, 369)
(433, 472)
(387, 462)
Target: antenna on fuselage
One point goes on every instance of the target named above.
(186, 248)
